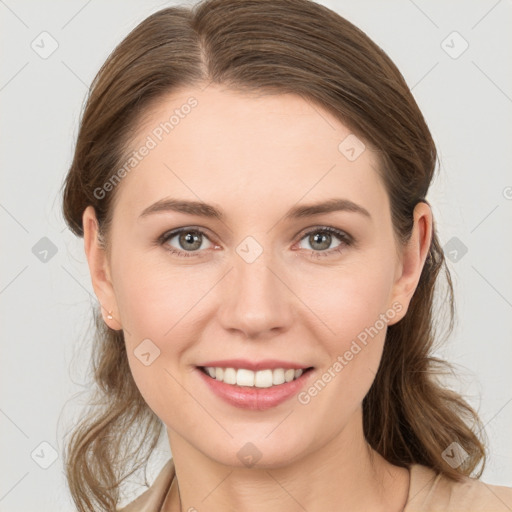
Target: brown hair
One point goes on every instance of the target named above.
(274, 46)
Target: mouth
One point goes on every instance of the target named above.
(256, 389)
(243, 377)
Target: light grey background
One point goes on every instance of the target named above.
(46, 305)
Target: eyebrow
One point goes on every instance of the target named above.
(207, 210)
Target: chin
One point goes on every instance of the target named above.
(257, 452)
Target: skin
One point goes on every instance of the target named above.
(255, 157)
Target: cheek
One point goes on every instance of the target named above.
(354, 305)
(153, 296)
(156, 317)
(351, 300)
(356, 312)
(159, 306)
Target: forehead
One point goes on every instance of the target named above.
(228, 147)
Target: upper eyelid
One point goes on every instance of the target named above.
(329, 229)
(174, 232)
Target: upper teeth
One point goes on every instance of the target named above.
(259, 379)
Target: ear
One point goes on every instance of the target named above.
(99, 269)
(412, 260)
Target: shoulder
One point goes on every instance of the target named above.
(151, 499)
(433, 492)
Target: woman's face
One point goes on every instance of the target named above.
(255, 282)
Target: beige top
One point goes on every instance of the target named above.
(428, 492)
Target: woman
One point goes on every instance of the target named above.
(250, 180)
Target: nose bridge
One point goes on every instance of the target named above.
(256, 300)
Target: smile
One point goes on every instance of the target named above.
(259, 379)
(258, 389)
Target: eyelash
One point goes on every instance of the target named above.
(346, 240)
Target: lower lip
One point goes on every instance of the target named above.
(257, 399)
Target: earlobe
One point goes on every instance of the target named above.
(99, 269)
(414, 255)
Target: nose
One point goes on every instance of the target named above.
(256, 299)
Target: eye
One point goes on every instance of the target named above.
(189, 241)
(321, 238)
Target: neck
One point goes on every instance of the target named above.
(344, 474)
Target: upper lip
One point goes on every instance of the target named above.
(264, 364)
